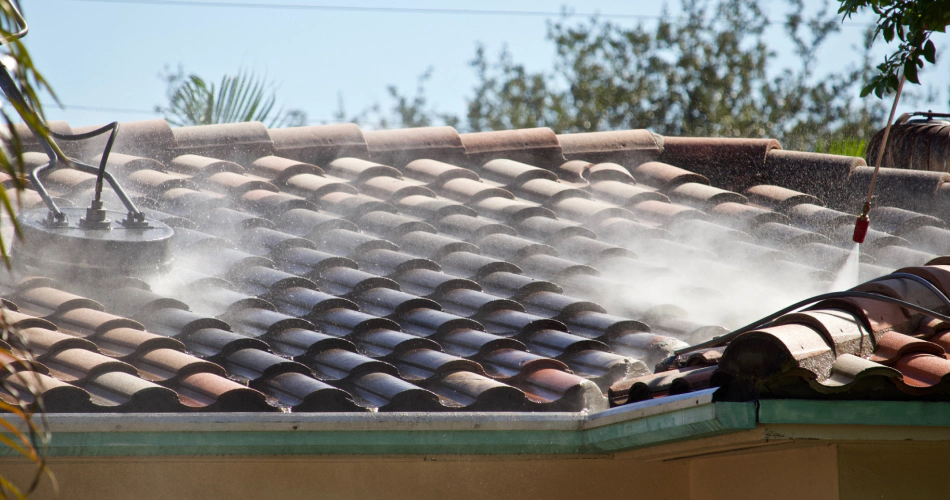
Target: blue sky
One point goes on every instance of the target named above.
(108, 55)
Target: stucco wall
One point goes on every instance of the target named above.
(360, 477)
(790, 474)
(894, 471)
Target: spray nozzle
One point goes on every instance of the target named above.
(861, 225)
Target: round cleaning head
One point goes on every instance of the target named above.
(90, 250)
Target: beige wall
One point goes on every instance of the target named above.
(790, 473)
(785, 471)
(362, 477)
(894, 471)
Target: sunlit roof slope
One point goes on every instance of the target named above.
(329, 269)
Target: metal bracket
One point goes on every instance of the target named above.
(56, 217)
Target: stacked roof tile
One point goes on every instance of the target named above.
(328, 268)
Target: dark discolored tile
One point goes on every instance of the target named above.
(473, 265)
(175, 322)
(388, 262)
(471, 343)
(508, 284)
(470, 228)
(305, 301)
(215, 343)
(389, 302)
(307, 262)
(391, 226)
(427, 322)
(255, 322)
(255, 365)
(343, 281)
(474, 392)
(301, 393)
(390, 344)
(342, 322)
(388, 393)
(433, 246)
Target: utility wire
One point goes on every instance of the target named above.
(100, 109)
(79, 107)
(394, 10)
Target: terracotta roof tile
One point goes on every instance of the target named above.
(400, 146)
(319, 144)
(332, 269)
(536, 146)
(625, 146)
(220, 141)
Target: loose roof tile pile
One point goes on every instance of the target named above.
(328, 268)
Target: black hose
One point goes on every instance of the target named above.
(114, 127)
(716, 342)
(930, 286)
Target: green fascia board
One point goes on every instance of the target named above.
(624, 431)
(899, 413)
(314, 443)
(690, 423)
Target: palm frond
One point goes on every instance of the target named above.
(236, 98)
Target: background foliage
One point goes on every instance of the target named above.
(16, 58)
(244, 97)
(910, 22)
(708, 72)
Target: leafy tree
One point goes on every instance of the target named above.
(405, 111)
(239, 98)
(912, 22)
(706, 72)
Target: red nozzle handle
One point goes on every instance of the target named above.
(861, 228)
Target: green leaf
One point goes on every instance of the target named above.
(930, 52)
(236, 98)
(888, 33)
(910, 71)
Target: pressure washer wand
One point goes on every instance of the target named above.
(863, 221)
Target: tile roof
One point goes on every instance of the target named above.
(328, 268)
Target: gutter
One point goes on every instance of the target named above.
(686, 416)
(672, 419)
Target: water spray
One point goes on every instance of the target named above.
(74, 240)
(863, 221)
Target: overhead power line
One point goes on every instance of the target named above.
(393, 10)
(79, 107)
(101, 109)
